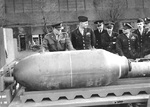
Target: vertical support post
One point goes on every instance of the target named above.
(2, 49)
(148, 102)
(2, 86)
(9, 44)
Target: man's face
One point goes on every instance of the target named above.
(84, 24)
(126, 31)
(140, 25)
(100, 26)
(57, 31)
(110, 28)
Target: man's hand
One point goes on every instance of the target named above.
(42, 50)
(93, 48)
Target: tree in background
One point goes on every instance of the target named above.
(116, 10)
(48, 13)
(41, 4)
(110, 10)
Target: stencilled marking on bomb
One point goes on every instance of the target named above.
(51, 82)
(5, 102)
(3, 96)
(90, 82)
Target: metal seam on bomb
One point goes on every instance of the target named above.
(70, 67)
(120, 70)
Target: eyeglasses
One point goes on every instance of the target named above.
(109, 28)
(99, 25)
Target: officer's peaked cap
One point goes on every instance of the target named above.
(57, 25)
(82, 18)
(147, 20)
(140, 20)
(127, 26)
(98, 21)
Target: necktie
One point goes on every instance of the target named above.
(83, 32)
(57, 37)
(99, 31)
(141, 31)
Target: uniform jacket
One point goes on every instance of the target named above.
(146, 46)
(127, 47)
(109, 42)
(98, 34)
(141, 40)
(85, 41)
(50, 43)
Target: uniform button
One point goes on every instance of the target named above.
(83, 44)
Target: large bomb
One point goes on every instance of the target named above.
(70, 69)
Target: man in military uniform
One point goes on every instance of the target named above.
(109, 38)
(140, 31)
(146, 46)
(83, 37)
(98, 33)
(57, 41)
(127, 43)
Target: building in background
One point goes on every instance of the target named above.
(40, 13)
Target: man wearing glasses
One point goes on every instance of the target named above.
(109, 38)
(57, 40)
(98, 32)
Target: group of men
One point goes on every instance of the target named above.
(130, 43)
(134, 43)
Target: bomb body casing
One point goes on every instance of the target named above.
(70, 69)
